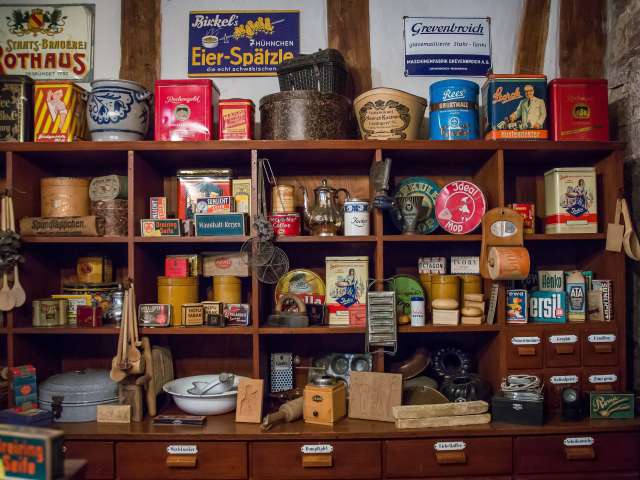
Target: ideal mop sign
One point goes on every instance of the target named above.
(447, 46)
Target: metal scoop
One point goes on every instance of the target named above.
(224, 379)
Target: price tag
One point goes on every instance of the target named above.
(578, 441)
(316, 449)
(555, 339)
(563, 379)
(602, 338)
(182, 449)
(525, 340)
(449, 446)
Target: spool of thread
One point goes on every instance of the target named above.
(227, 289)
(508, 263)
(282, 199)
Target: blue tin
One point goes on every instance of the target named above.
(453, 110)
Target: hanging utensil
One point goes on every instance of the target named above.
(7, 301)
(17, 291)
(117, 374)
(135, 357)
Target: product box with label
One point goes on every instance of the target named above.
(225, 263)
(600, 301)
(516, 306)
(547, 307)
(431, 265)
(31, 453)
(570, 202)
(220, 224)
(611, 406)
(347, 280)
(517, 411)
(528, 213)
(236, 119)
(241, 188)
(220, 204)
(16, 108)
(201, 183)
(465, 265)
(154, 315)
(236, 314)
(169, 227)
(59, 112)
(551, 280)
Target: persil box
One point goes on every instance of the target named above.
(185, 110)
(515, 107)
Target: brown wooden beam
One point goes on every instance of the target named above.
(140, 41)
(583, 38)
(348, 26)
(533, 36)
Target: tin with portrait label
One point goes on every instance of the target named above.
(356, 217)
(428, 190)
(460, 206)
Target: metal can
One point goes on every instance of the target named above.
(579, 109)
(571, 200)
(453, 110)
(94, 270)
(283, 199)
(16, 108)
(236, 119)
(417, 311)
(285, 224)
(528, 212)
(356, 217)
(49, 312)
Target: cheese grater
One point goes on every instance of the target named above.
(381, 321)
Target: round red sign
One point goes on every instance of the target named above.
(460, 206)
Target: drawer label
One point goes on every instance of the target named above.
(602, 338)
(182, 449)
(316, 449)
(578, 441)
(563, 339)
(563, 379)
(611, 378)
(449, 446)
(525, 340)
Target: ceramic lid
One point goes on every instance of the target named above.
(79, 386)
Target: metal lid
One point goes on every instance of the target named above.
(356, 200)
(311, 95)
(177, 281)
(80, 386)
(324, 381)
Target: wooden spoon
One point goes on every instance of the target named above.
(6, 299)
(117, 373)
(17, 291)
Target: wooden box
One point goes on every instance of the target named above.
(324, 405)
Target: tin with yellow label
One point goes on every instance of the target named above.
(177, 292)
(192, 315)
(94, 270)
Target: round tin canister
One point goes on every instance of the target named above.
(177, 292)
(64, 197)
(453, 112)
(114, 213)
(282, 199)
(227, 289)
(356, 217)
(425, 281)
(285, 224)
(94, 270)
(471, 284)
(445, 287)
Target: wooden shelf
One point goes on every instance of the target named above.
(80, 240)
(309, 330)
(432, 238)
(318, 239)
(219, 239)
(564, 236)
(65, 330)
(110, 330)
(449, 328)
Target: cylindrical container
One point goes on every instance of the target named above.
(417, 311)
(16, 108)
(50, 312)
(283, 199)
(471, 284)
(114, 213)
(64, 197)
(571, 200)
(94, 270)
(389, 114)
(177, 292)
(236, 119)
(356, 217)
(108, 296)
(425, 281)
(305, 115)
(508, 263)
(285, 224)
(453, 112)
(108, 187)
(445, 287)
(227, 289)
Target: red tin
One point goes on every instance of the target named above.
(460, 206)
(285, 224)
(579, 109)
(89, 316)
(236, 119)
(185, 109)
(528, 212)
(176, 267)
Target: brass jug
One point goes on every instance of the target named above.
(326, 217)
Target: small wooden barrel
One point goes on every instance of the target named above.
(114, 213)
(64, 197)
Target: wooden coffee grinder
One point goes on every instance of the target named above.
(325, 401)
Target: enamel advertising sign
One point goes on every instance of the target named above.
(445, 46)
(47, 42)
(241, 43)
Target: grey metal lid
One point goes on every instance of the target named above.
(80, 386)
(324, 381)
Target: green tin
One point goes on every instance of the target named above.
(611, 405)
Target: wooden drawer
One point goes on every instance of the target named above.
(562, 348)
(610, 451)
(99, 457)
(524, 349)
(283, 460)
(556, 380)
(214, 460)
(600, 347)
(601, 380)
(422, 458)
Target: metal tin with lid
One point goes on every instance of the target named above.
(453, 110)
(74, 396)
(356, 217)
(176, 292)
(16, 108)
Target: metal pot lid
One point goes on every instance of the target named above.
(324, 381)
(80, 386)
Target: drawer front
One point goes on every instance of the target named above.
(99, 457)
(214, 460)
(609, 451)
(283, 460)
(430, 458)
(582, 476)
(601, 380)
(600, 347)
(556, 380)
(524, 349)
(562, 349)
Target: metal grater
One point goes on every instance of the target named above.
(493, 303)
(381, 321)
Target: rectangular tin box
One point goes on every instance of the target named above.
(571, 200)
(347, 280)
(50, 312)
(579, 109)
(200, 183)
(220, 224)
(611, 406)
(225, 263)
(16, 108)
(185, 110)
(154, 315)
(515, 107)
(236, 119)
(242, 194)
(59, 112)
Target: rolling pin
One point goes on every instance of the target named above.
(288, 412)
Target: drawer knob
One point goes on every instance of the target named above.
(564, 349)
(451, 458)
(603, 348)
(181, 461)
(527, 351)
(580, 453)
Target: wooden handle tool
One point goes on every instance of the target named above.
(289, 412)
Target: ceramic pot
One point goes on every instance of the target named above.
(466, 388)
(118, 110)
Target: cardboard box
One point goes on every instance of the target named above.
(242, 195)
(220, 224)
(225, 263)
(160, 228)
(32, 453)
(611, 406)
(347, 284)
(60, 112)
(547, 307)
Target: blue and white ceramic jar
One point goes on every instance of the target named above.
(356, 217)
(453, 110)
(118, 110)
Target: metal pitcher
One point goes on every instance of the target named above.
(326, 217)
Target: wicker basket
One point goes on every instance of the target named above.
(323, 71)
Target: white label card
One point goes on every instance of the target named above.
(602, 338)
(316, 449)
(563, 379)
(182, 449)
(449, 446)
(525, 340)
(612, 377)
(555, 339)
(578, 441)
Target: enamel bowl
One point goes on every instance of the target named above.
(209, 404)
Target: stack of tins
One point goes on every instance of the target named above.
(284, 218)
(109, 204)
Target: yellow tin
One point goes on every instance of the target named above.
(59, 112)
(445, 287)
(471, 284)
(192, 314)
(283, 199)
(425, 281)
(94, 270)
(227, 289)
(177, 292)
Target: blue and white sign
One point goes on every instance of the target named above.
(443, 46)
